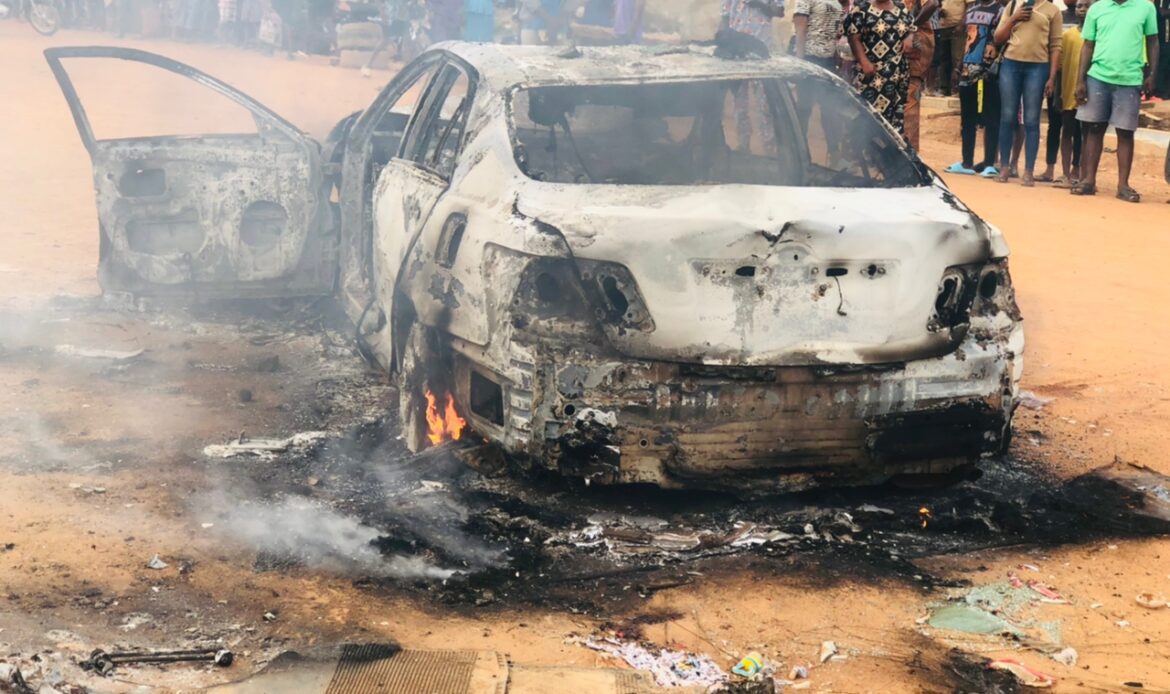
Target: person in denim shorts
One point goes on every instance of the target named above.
(1118, 62)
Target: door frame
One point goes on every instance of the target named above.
(266, 119)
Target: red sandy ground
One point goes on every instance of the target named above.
(1090, 276)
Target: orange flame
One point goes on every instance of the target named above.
(445, 425)
(925, 516)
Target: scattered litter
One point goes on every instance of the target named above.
(670, 668)
(1067, 656)
(1029, 567)
(750, 665)
(156, 563)
(828, 650)
(968, 619)
(7, 547)
(1151, 601)
(870, 508)
(1032, 401)
(205, 526)
(431, 486)
(264, 448)
(1050, 596)
(1095, 606)
(1026, 675)
(269, 617)
(1123, 623)
(91, 353)
(134, 620)
(10, 677)
(798, 672)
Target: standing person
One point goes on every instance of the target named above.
(1163, 84)
(628, 20)
(228, 16)
(976, 71)
(446, 19)
(818, 25)
(1066, 138)
(754, 18)
(951, 44)
(479, 21)
(877, 31)
(1119, 36)
(539, 20)
(919, 55)
(1031, 35)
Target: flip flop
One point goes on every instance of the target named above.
(1129, 195)
(1028, 181)
(1082, 189)
(958, 168)
(1044, 178)
(1064, 183)
(989, 172)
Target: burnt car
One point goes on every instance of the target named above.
(626, 264)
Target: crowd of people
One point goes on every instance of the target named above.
(1089, 64)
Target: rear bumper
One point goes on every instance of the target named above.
(760, 428)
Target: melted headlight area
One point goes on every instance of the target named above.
(976, 289)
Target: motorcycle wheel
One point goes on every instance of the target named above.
(45, 18)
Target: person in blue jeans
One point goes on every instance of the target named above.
(1030, 32)
(479, 21)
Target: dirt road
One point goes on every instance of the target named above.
(1088, 278)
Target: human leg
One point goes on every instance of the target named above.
(991, 116)
(912, 110)
(1052, 139)
(1009, 91)
(1035, 76)
(1068, 132)
(968, 121)
(1124, 165)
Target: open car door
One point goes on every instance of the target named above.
(241, 212)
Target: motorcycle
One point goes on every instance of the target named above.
(44, 15)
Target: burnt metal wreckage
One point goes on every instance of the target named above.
(625, 264)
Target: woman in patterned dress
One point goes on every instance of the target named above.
(876, 31)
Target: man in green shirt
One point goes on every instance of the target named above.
(1118, 62)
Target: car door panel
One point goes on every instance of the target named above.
(208, 216)
(408, 190)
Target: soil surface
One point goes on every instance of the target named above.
(341, 536)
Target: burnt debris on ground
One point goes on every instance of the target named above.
(348, 497)
(515, 538)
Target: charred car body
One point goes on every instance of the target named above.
(630, 265)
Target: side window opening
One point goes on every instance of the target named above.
(386, 138)
(846, 145)
(440, 131)
(686, 133)
(757, 131)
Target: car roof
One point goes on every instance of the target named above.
(504, 66)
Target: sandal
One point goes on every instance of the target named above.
(1083, 189)
(1028, 181)
(1044, 178)
(989, 172)
(1001, 177)
(1129, 195)
(1064, 182)
(958, 168)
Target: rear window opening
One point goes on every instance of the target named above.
(775, 132)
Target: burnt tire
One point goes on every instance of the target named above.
(359, 36)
